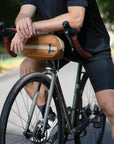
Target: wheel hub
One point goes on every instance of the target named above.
(37, 134)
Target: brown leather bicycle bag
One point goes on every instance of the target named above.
(44, 47)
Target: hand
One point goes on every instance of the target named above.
(17, 43)
(25, 27)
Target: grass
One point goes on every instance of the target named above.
(10, 63)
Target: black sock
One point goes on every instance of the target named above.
(42, 109)
(51, 115)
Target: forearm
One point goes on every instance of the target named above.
(55, 24)
(26, 11)
(24, 24)
(25, 27)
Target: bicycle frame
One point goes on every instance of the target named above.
(72, 125)
(55, 82)
(71, 122)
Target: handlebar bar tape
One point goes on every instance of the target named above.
(7, 45)
(13, 30)
(79, 49)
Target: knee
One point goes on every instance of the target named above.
(27, 66)
(30, 65)
(106, 101)
(23, 68)
(109, 110)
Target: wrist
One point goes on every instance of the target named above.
(21, 16)
(35, 25)
(18, 36)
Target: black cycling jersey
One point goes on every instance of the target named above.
(93, 36)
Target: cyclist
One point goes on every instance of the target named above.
(93, 37)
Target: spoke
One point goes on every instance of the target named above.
(21, 138)
(32, 125)
(19, 113)
(34, 89)
(16, 125)
(36, 119)
(13, 134)
(26, 106)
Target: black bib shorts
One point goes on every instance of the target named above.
(100, 69)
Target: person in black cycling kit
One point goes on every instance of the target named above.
(93, 38)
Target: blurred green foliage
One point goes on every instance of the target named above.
(107, 9)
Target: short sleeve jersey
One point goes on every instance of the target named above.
(93, 36)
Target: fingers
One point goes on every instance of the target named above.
(18, 29)
(34, 28)
(17, 44)
(25, 27)
(28, 28)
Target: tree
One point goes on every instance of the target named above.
(107, 9)
(9, 10)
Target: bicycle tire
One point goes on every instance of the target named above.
(93, 133)
(12, 117)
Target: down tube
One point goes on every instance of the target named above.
(76, 95)
(63, 105)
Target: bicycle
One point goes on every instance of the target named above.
(22, 122)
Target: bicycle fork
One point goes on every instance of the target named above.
(34, 104)
(32, 109)
(48, 101)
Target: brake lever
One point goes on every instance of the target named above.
(69, 30)
(71, 34)
(4, 31)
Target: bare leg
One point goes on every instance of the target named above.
(106, 101)
(30, 65)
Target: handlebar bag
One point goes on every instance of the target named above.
(44, 47)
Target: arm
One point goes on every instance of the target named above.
(23, 22)
(24, 27)
(26, 11)
(75, 17)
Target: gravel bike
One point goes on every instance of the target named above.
(21, 120)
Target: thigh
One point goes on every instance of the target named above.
(101, 73)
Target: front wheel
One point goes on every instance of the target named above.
(21, 126)
(88, 108)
